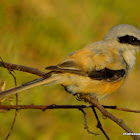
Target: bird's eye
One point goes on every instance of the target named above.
(133, 39)
(129, 40)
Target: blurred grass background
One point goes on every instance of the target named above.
(41, 33)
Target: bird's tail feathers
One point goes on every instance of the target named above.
(40, 81)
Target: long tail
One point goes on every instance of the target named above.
(40, 81)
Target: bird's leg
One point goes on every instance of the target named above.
(80, 96)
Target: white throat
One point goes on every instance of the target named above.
(129, 57)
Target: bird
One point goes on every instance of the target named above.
(98, 69)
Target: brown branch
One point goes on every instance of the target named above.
(16, 112)
(42, 107)
(85, 123)
(99, 125)
(54, 106)
(121, 109)
(86, 98)
(12, 126)
(120, 122)
(22, 68)
(127, 110)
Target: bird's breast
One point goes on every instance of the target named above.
(86, 85)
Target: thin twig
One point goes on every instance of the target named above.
(127, 110)
(99, 125)
(54, 106)
(85, 123)
(22, 68)
(120, 122)
(86, 98)
(42, 107)
(12, 126)
(16, 112)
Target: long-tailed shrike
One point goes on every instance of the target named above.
(98, 69)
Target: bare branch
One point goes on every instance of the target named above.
(86, 126)
(127, 110)
(86, 98)
(121, 109)
(16, 112)
(12, 126)
(42, 107)
(54, 106)
(120, 122)
(99, 125)
(22, 68)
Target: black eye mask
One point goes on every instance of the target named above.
(127, 39)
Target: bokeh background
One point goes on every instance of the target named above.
(39, 33)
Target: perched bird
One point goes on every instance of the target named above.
(98, 69)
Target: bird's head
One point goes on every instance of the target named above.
(125, 36)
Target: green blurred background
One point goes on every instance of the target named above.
(39, 33)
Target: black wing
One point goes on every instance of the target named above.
(107, 74)
(103, 74)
